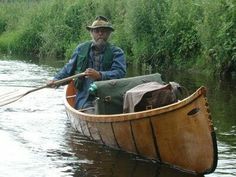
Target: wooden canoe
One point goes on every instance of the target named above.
(180, 135)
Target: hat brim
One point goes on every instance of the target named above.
(95, 27)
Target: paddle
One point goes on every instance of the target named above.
(14, 95)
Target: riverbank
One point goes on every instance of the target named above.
(197, 35)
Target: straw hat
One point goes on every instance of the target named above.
(101, 22)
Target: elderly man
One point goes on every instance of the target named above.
(98, 59)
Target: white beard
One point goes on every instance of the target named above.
(99, 44)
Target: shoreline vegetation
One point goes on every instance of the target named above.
(183, 35)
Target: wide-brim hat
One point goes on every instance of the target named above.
(101, 22)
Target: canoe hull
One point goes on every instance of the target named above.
(180, 135)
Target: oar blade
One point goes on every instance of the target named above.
(13, 96)
(9, 94)
(10, 97)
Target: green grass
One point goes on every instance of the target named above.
(165, 34)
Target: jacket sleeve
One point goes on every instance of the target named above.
(118, 67)
(69, 68)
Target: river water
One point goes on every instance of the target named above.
(36, 139)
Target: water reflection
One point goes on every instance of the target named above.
(103, 161)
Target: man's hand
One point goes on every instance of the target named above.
(51, 84)
(93, 74)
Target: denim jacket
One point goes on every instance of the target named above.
(117, 70)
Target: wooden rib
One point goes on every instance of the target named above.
(144, 139)
(94, 131)
(158, 157)
(118, 146)
(84, 128)
(75, 122)
(107, 134)
(124, 137)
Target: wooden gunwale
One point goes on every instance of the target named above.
(137, 115)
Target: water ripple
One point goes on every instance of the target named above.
(37, 138)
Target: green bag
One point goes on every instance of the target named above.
(110, 93)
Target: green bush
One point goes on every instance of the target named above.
(3, 25)
(217, 34)
(164, 34)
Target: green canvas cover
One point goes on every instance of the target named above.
(110, 93)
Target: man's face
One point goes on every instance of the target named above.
(100, 36)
